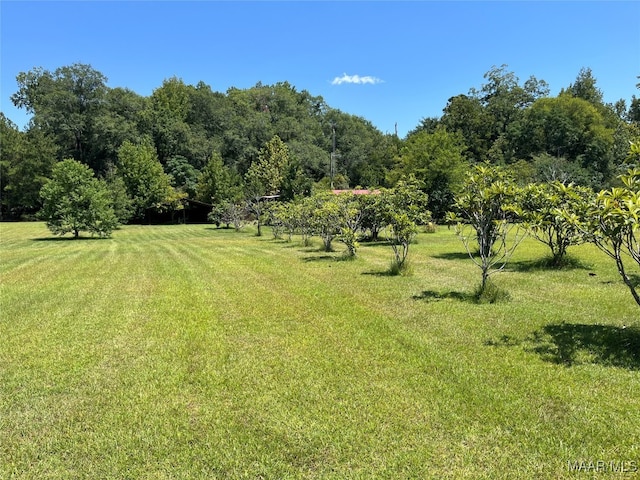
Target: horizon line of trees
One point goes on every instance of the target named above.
(190, 142)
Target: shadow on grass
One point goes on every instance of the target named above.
(373, 243)
(452, 256)
(226, 230)
(546, 263)
(381, 273)
(68, 239)
(578, 344)
(433, 295)
(319, 258)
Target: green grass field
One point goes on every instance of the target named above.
(179, 352)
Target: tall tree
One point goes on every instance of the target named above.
(148, 186)
(488, 116)
(26, 160)
(585, 87)
(218, 184)
(66, 104)
(437, 160)
(265, 176)
(569, 127)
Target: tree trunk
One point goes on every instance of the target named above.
(625, 278)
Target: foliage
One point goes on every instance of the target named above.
(572, 128)
(403, 209)
(612, 222)
(574, 137)
(265, 176)
(437, 160)
(26, 160)
(541, 205)
(234, 213)
(120, 200)
(75, 201)
(147, 185)
(373, 216)
(488, 117)
(184, 176)
(350, 220)
(484, 214)
(326, 218)
(66, 104)
(217, 183)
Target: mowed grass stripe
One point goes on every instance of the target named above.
(187, 352)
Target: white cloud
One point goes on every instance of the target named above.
(355, 79)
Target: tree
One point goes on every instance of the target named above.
(326, 218)
(541, 205)
(569, 127)
(26, 160)
(148, 186)
(65, 103)
(265, 176)
(74, 201)
(483, 214)
(437, 160)
(350, 221)
(585, 88)
(218, 183)
(489, 118)
(184, 177)
(403, 209)
(611, 221)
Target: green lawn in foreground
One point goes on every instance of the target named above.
(189, 352)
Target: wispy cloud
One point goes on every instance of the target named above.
(357, 79)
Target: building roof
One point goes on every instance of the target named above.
(358, 192)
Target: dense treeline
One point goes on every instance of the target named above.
(189, 142)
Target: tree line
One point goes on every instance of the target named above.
(188, 142)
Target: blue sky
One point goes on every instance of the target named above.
(398, 61)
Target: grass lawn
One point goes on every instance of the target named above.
(187, 352)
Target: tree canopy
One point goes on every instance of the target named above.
(75, 114)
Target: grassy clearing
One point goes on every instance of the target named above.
(189, 352)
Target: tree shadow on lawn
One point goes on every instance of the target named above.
(578, 344)
(381, 273)
(546, 263)
(433, 295)
(319, 258)
(374, 243)
(452, 256)
(67, 239)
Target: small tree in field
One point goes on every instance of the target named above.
(403, 208)
(612, 222)
(326, 218)
(265, 177)
(350, 220)
(483, 215)
(75, 201)
(541, 205)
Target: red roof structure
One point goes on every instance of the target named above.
(357, 192)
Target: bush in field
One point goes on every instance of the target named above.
(483, 215)
(75, 201)
(350, 219)
(402, 209)
(373, 218)
(541, 206)
(326, 218)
